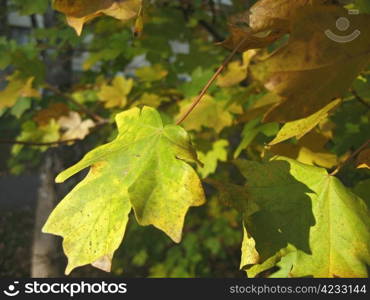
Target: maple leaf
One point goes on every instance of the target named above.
(276, 14)
(115, 95)
(251, 130)
(268, 21)
(151, 73)
(53, 111)
(20, 107)
(17, 88)
(236, 71)
(311, 69)
(252, 39)
(310, 150)
(32, 132)
(74, 127)
(300, 127)
(249, 255)
(305, 211)
(209, 113)
(79, 12)
(144, 168)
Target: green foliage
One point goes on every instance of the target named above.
(305, 211)
(142, 64)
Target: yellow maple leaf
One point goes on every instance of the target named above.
(236, 71)
(79, 12)
(151, 73)
(74, 127)
(16, 88)
(302, 126)
(115, 95)
(208, 113)
(310, 149)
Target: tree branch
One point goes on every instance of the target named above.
(209, 83)
(82, 107)
(211, 30)
(36, 143)
(359, 99)
(352, 156)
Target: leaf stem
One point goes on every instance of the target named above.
(353, 155)
(209, 83)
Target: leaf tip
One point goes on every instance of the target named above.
(59, 178)
(104, 263)
(68, 270)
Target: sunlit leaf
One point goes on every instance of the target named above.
(17, 88)
(236, 71)
(115, 95)
(146, 168)
(300, 127)
(209, 113)
(310, 150)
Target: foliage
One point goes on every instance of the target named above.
(280, 140)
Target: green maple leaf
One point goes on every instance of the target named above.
(305, 211)
(145, 168)
(250, 132)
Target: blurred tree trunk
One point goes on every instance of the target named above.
(4, 29)
(46, 250)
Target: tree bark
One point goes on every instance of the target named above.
(45, 252)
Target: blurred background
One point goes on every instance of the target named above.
(36, 41)
(56, 87)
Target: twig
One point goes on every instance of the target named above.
(83, 108)
(187, 10)
(14, 142)
(359, 99)
(353, 155)
(209, 83)
(217, 37)
(36, 143)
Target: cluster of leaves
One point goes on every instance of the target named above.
(271, 138)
